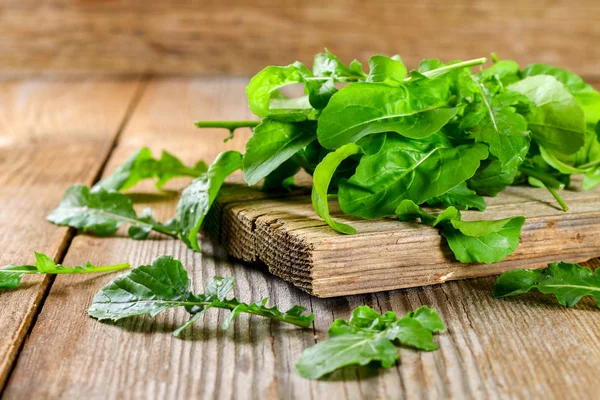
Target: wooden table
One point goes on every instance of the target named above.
(58, 131)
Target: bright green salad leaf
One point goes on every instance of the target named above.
(273, 143)
(322, 179)
(365, 108)
(152, 289)
(557, 121)
(370, 337)
(11, 275)
(416, 170)
(470, 241)
(567, 282)
(103, 212)
(197, 198)
(141, 165)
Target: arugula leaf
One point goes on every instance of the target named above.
(152, 289)
(265, 85)
(483, 241)
(460, 197)
(407, 169)
(272, 143)
(567, 282)
(321, 180)
(142, 165)
(103, 212)
(365, 108)
(558, 121)
(470, 241)
(586, 95)
(494, 121)
(506, 71)
(282, 178)
(199, 196)
(368, 337)
(388, 70)
(11, 275)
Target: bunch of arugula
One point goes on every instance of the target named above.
(384, 142)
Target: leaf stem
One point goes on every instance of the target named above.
(434, 73)
(590, 164)
(546, 179)
(558, 198)
(230, 125)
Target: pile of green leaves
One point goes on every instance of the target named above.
(385, 142)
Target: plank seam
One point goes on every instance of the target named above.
(61, 253)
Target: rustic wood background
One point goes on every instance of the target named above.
(240, 37)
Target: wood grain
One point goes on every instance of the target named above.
(237, 37)
(522, 347)
(52, 133)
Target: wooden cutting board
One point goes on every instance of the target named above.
(287, 236)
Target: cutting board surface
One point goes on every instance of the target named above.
(286, 235)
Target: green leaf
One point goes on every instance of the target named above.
(507, 72)
(364, 108)
(151, 289)
(321, 180)
(141, 165)
(428, 317)
(146, 290)
(10, 275)
(558, 121)
(483, 241)
(407, 169)
(327, 64)
(586, 95)
(390, 71)
(470, 241)
(369, 337)
(272, 143)
(567, 282)
(341, 351)
(197, 198)
(460, 197)
(265, 85)
(103, 212)
(497, 124)
(282, 178)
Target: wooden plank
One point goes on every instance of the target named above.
(296, 245)
(240, 37)
(140, 358)
(52, 133)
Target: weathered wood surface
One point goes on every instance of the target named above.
(241, 37)
(52, 133)
(525, 347)
(296, 245)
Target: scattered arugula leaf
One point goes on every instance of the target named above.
(567, 282)
(152, 289)
(370, 337)
(197, 198)
(103, 212)
(142, 165)
(11, 275)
